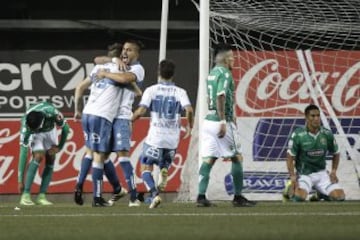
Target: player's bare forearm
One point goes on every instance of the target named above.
(290, 165)
(102, 59)
(123, 78)
(136, 89)
(190, 116)
(140, 111)
(220, 105)
(335, 162)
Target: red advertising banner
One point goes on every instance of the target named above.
(273, 84)
(67, 163)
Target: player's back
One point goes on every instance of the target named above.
(166, 104)
(104, 94)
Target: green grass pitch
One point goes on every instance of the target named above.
(268, 220)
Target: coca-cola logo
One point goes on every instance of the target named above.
(267, 86)
(68, 161)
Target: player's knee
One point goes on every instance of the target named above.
(300, 195)
(337, 195)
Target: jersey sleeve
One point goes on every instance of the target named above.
(146, 98)
(24, 133)
(139, 72)
(59, 118)
(293, 144)
(184, 99)
(223, 83)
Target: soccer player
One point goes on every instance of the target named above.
(38, 128)
(308, 147)
(114, 50)
(122, 127)
(219, 128)
(165, 102)
(98, 116)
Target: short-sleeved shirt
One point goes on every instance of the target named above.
(220, 82)
(52, 118)
(310, 150)
(165, 102)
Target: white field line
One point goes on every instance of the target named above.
(264, 214)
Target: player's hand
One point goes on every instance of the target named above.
(77, 116)
(187, 132)
(122, 66)
(333, 177)
(53, 150)
(222, 130)
(20, 187)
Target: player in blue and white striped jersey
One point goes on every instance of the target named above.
(122, 124)
(165, 101)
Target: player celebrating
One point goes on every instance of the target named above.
(165, 102)
(114, 50)
(308, 147)
(219, 129)
(134, 72)
(38, 127)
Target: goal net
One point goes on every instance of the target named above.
(289, 53)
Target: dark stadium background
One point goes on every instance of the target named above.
(87, 25)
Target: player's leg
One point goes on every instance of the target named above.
(38, 153)
(86, 161)
(121, 144)
(330, 191)
(238, 178)
(150, 156)
(164, 164)
(304, 186)
(209, 152)
(50, 140)
(100, 145)
(111, 175)
(83, 172)
(46, 179)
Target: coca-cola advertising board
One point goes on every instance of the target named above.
(271, 95)
(68, 161)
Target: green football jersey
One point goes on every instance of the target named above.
(52, 117)
(220, 81)
(310, 150)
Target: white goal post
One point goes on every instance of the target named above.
(289, 53)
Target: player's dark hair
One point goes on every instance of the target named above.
(166, 69)
(114, 50)
(221, 47)
(137, 43)
(34, 119)
(311, 107)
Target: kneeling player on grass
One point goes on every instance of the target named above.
(165, 102)
(308, 147)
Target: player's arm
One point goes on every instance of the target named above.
(116, 60)
(139, 112)
(220, 106)
(189, 114)
(334, 148)
(65, 129)
(24, 141)
(291, 154)
(79, 93)
(123, 78)
(291, 167)
(136, 89)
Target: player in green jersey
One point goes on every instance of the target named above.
(308, 147)
(38, 129)
(219, 138)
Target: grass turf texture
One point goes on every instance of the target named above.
(268, 220)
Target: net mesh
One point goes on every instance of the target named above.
(289, 53)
